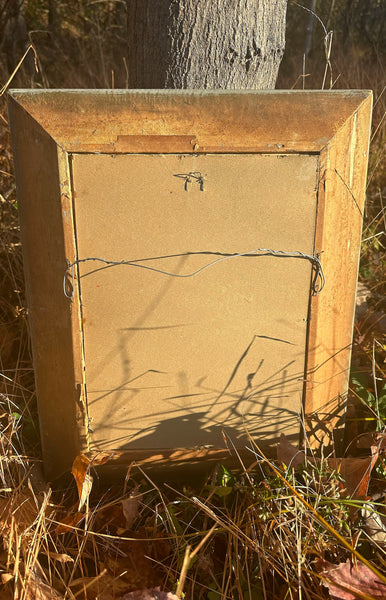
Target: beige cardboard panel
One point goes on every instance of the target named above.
(180, 342)
(171, 361)
(139, 203)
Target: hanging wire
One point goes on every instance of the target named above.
(318, 282)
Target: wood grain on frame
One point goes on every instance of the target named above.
(197, 121)
(47, 234)
(341, 197)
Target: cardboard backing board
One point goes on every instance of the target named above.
(155, 366)
(175, 358)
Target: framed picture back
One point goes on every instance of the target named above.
(191, 264)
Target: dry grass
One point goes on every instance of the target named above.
(259, 534)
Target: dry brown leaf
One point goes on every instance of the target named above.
(81, 472)
(68, 522)
(110, 519)
(132, 564)
(62, 558)
(354, 471)
(82, 477)
(5, 577)
(130, 508)
(22, 506)
(6, 591)
(149, 594)
(372, 438)
(289, 454)
(86, 490)
(374, 517)
(39, 590)
(101, 587)
(346, 581)
(121, 576)
(132, 568)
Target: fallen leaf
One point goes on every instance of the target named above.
(289, 454)
(82, 478)
(7, 591)
(132, 568)
(67, 523)
(20, 505)
(85, 491)
(110, 519)
(100, 587)
(36, 589)
(374, 517)
(346, 581)
(354, 471)
(81, 472)
(150, 594)
(372, 438)
(356, 474)
(130, 508)
(62, 558)
(122, 575)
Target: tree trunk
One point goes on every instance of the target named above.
(14, 36)
(54, 19)
(212, 44)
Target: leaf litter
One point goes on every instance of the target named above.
(347, 581)
(355, 472)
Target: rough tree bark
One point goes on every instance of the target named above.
(212, 44)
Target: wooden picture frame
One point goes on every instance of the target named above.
(180, 181)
